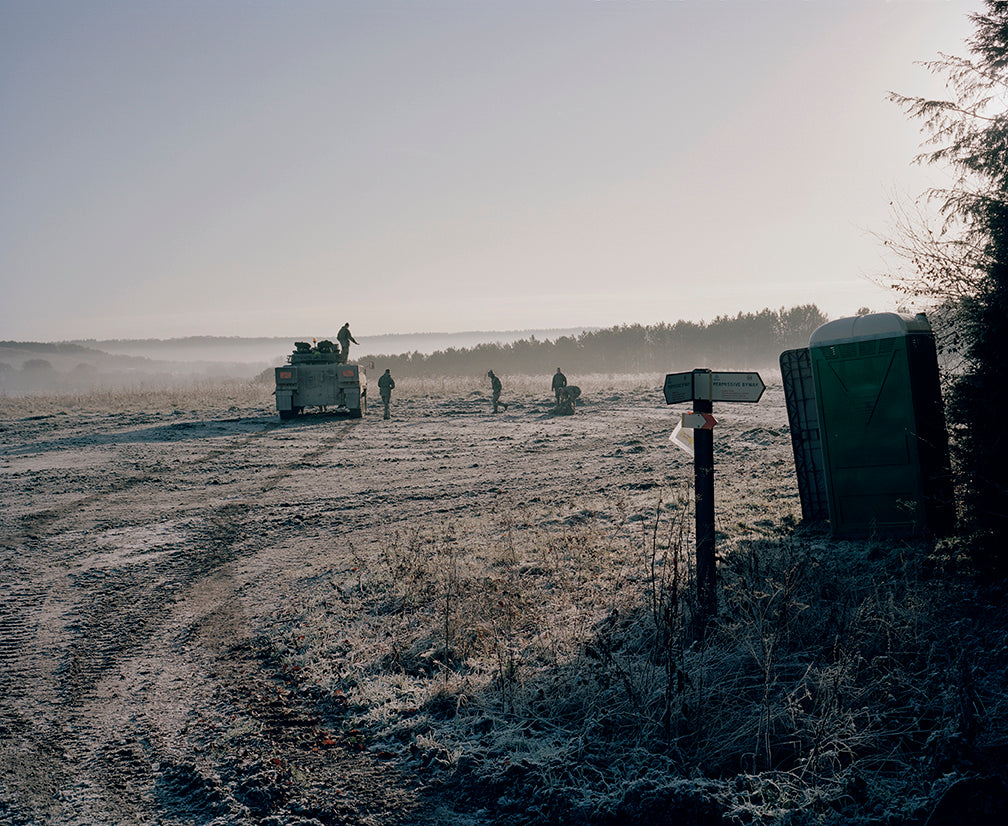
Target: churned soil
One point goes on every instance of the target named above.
(154, 564)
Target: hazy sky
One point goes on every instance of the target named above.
(242, 167)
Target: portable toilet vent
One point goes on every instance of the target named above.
(882, 426)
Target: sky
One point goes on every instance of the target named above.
(254, 168)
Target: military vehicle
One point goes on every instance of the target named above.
(314, 376)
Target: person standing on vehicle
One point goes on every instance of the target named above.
(385, 385)
(344, 338)
(495, 387)
(559, 383)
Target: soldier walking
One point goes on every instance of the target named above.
(559, 383)
(344, 338)
(385, 385)
(495, 387)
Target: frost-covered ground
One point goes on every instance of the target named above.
(210, 616)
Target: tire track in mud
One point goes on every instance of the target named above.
(39, 521)
(34, 524)
(111, 615)
(305, 462)
(120, 596)
(254, 780)
(282, 756)
(15, 633)
(120, 603)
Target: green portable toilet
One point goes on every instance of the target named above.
(882, 426)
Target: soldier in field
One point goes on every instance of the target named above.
(559, 383)
(344, 338)
(385, 385)
(495, 388)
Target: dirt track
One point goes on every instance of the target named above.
(150, 560)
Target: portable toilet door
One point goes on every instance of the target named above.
(884, 441)
(803, 422)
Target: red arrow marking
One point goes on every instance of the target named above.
(698, 421)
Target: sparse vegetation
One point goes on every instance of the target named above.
(550, 675)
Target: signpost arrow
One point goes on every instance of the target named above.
(736, 387)
(713, 387)
(678, 388)
(698, 421)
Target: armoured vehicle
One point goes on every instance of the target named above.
(314, 376)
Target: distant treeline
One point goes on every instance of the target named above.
(60, 347)
(741, 342)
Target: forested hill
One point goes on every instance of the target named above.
(742, 342)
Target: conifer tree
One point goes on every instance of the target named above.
(964, 262)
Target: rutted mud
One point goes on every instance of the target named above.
(147, 563)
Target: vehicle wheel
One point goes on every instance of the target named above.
(287, 414)
(355, 413)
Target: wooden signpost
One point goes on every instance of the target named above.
(703, 387)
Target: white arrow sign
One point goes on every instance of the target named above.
(698, 421)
